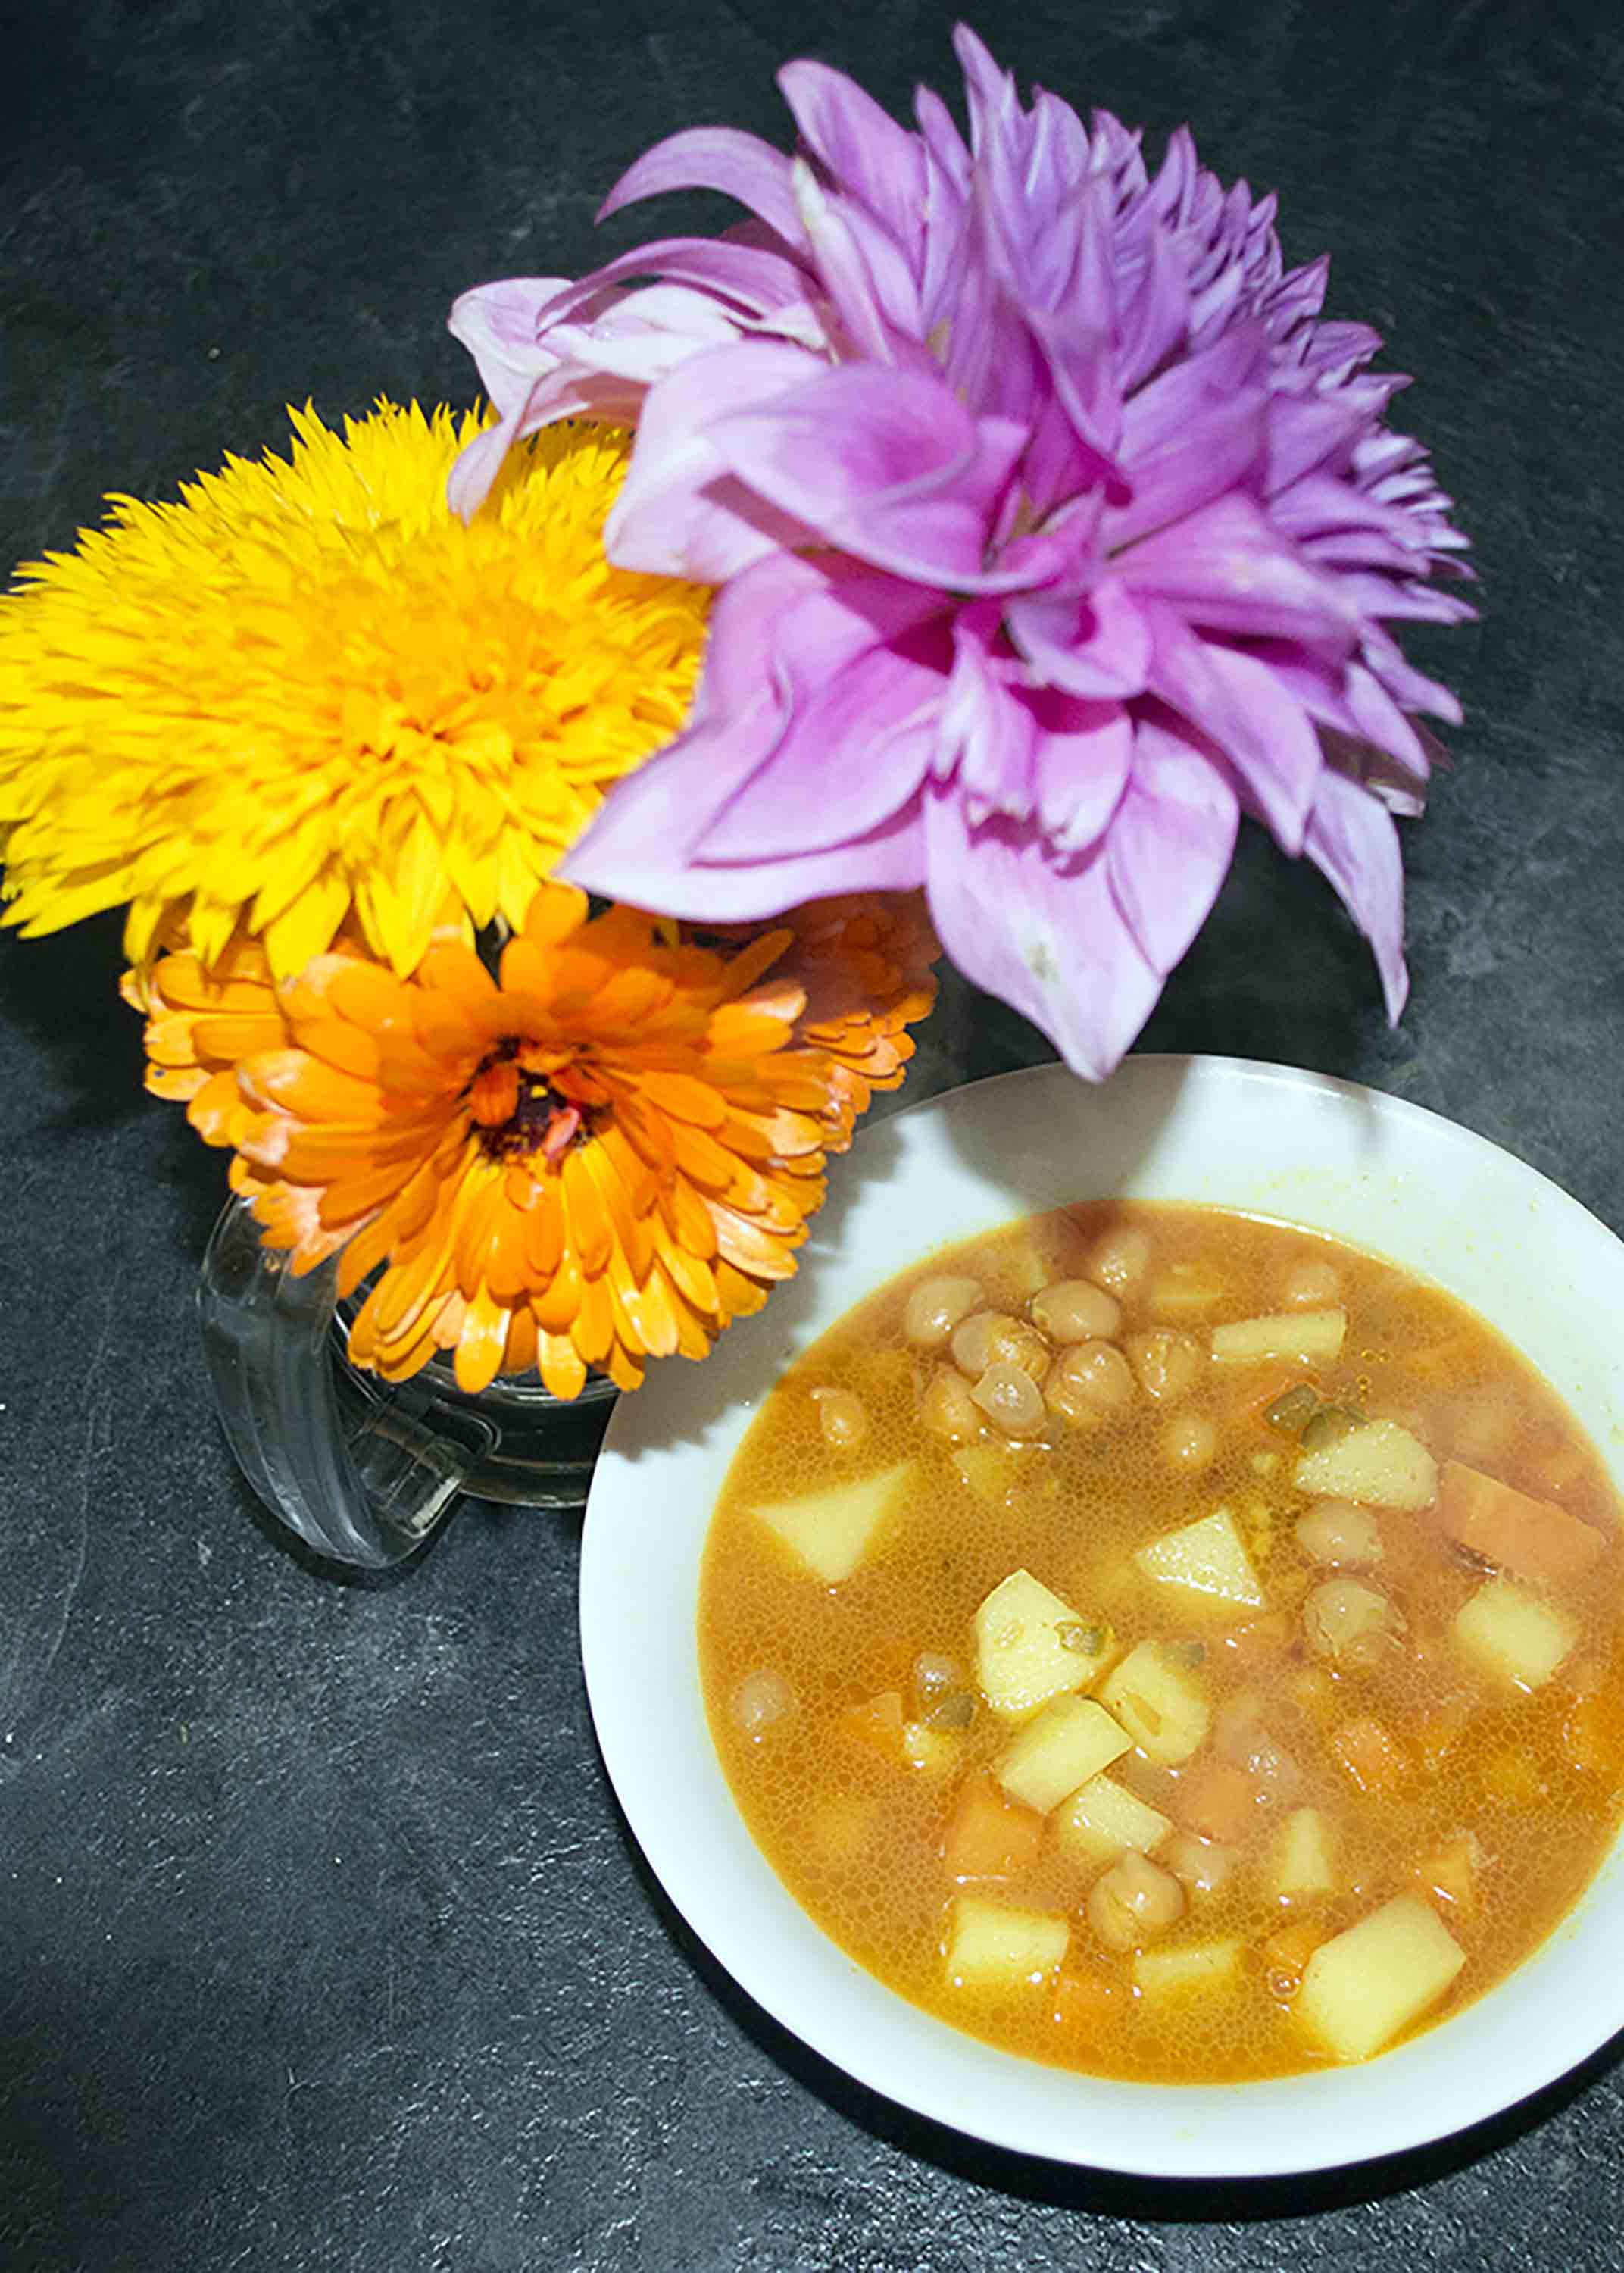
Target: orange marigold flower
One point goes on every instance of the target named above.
(606, 1155)
(865, 961)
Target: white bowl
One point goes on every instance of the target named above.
(1343, 1159)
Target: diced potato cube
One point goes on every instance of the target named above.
(935, 1751)
(1315, 1337)
(1030, 1647)
(1361, 1987)
(1513, 1635)
(1377, 1464)
(994, 1945)
(830, 1531)
(1196, 1969)
(1104, 1820)
(1163, 1709)
(1304, 1856)
(1072, 1739)
(1206, 1561)
(1183, 1292)
(994, 1471)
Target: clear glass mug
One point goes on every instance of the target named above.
(362, 1470)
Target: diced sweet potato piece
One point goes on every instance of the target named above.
(830, 1531)
(1072, 1739)
(1315, 1337)
(1220, 1801)
(1304, 1856)
(994, 1945)
(1162, 1709)
(1198, 1968)
(1513, 1635)
(1285, 1957)
(877, 1723)
(1448, 1875)
(1030, 1646)
(1439, 1733)
(1510, 1775)
(1104, 1820)
(1377, 1464)
(1371, 1754)
(1261, 1639)
(989, 1836)
(1205, 1562)
(1363, 1986)
(1593, 1735)
(1532, 1538)
(841, 1827)
(1086, 2000)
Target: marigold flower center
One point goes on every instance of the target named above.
(519, 1114)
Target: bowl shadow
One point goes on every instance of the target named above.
(1080, 2187)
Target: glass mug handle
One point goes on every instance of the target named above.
(360, 1469)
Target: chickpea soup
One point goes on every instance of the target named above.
(1170, 1644)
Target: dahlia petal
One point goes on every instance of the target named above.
(864, 272)
(849, 758)
(678, 514)
(1098, 646)
(987, 731)
(887, 859)
(1170, 843)
(1226, 568)
(813, 623)
(1045, 935)
(1249, 712)
(877, 161)
(740, 165)
(1352, 840)
(700, 272)
(1083, 753)
(885, 463)
(501, 325)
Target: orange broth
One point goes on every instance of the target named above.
(1429, 1771)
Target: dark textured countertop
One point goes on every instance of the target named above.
(321, 1942)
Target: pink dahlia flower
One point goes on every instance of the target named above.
(1055, 531)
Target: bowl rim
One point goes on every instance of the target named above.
(644, 1533)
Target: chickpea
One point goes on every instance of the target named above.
(993, 1338)
(1188, 1442)
(935, 1307)
(1010, 1400)
(1311, 1283)
(1337, 1532)
(947, 1409)
(1341, 1618)
(1167, 1364)
(1090, 1381)
(1132, 1902)
(1118, 1259)
(759, 1702)
(842, 1416)
(1072, 1310)
(1201, 1865)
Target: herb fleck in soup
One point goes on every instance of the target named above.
(1170, 1644)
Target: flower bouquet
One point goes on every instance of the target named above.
(956, 549)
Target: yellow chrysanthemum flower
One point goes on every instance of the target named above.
(308, 689)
